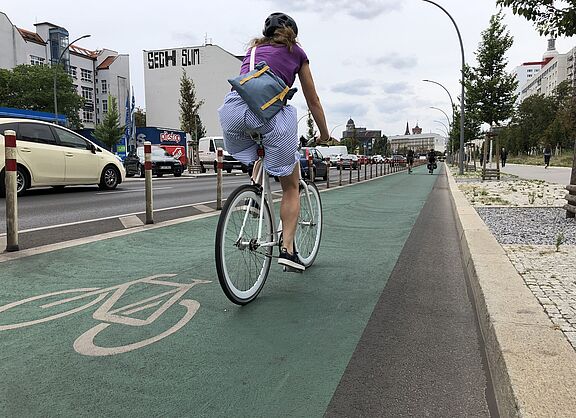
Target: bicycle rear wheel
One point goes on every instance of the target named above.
(242, 262)
(309, 227)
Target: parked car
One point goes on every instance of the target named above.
(51, 155)
(318, 162)
(348, 161)
(162, 163)
(396, 159)
(377, 159)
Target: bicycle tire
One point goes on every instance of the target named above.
(309, 227)
(242, 266)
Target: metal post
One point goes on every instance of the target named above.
(148, 181)
(219, 167)
(359, 168)
(311, 175)
(327, 172)
(371, 164)
(366, 170)
(461, 162)
(350, 174)
(339, 173)
(11, 174)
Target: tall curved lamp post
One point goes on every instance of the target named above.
(443, 124)
(447, 118)
(57, 64)
(449, 95)
(330, 135)
(461, 159)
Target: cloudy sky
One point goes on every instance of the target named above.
(368, 57)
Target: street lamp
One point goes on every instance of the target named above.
(443, 124)
(437, 108)
(461, 159)
(330, 134)
(449, 95)
(57, 64)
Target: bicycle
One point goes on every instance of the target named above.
(247, 232)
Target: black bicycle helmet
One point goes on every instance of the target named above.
(278, 20)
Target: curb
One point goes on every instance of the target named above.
(532, 365)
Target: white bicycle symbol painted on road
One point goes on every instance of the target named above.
(84, 344)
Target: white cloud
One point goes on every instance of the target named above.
(355, 87)
(360, 9)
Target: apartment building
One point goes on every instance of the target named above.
(96, 74)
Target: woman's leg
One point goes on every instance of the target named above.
(290, 206)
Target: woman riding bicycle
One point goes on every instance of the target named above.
(279, 48)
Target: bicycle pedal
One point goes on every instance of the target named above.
(287, 269)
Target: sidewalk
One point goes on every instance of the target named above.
(524, 291)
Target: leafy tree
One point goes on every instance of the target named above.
(31, 87)
(109, 132)
(472, 124)
(311, 132)
(140, 117)
(549, 20)
(189, 119)
(380, 145)
(490, 89)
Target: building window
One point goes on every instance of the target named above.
(72, 72)
(85, 75)
(34, 60)
(87, 93)
(104, 106)
(104, 87)
(87, 116)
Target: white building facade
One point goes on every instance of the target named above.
(208, 66)
(95, 74)
(420, 143)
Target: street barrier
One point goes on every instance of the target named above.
(148, 181)
(339, 163)
(219, 167)
(11, 175)
(311, 174)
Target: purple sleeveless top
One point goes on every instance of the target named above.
(284, 64)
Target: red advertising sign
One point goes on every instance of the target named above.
(178, 151)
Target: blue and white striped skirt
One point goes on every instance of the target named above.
(279, 135)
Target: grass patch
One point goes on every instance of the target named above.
(564, 160)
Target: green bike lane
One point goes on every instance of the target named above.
(282, 355)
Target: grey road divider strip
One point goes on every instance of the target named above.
(203, 208)
(533, 366)
(131, 221)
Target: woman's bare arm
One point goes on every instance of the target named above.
(313, 101)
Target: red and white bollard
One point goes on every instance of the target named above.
(11, 187)
(219, 168)
(148, 181)
(310, 167)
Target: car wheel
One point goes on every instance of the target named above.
(22, 182)
(159, 174)
(110, 178)
(177, 173)
(140, 172)
(202, 168)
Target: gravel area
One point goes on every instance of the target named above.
(533, 226)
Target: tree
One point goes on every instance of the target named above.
(549, 20)
(140, 117)
(31, 87)
(311, 132)
(189, 119)
(109, 131)
(489, 88)
(471, 127)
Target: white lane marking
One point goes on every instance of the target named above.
(203, 208)
(41, 228)
(131, 221)
(134, 191)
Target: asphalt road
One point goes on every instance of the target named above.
(48, 207)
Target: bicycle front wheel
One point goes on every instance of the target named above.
(243, 252)
(309, 228)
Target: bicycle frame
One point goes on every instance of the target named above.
(263, 179)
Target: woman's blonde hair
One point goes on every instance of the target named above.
(282, 36)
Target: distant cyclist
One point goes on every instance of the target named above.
(410, 159)
(431, 156)
(282, 53)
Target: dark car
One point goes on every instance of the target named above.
(348, 161)
(162, 163)
(318, 162)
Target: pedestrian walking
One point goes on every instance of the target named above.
(503, 156)
(547, 155)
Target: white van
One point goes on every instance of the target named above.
(207, 147)
(333, 150)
